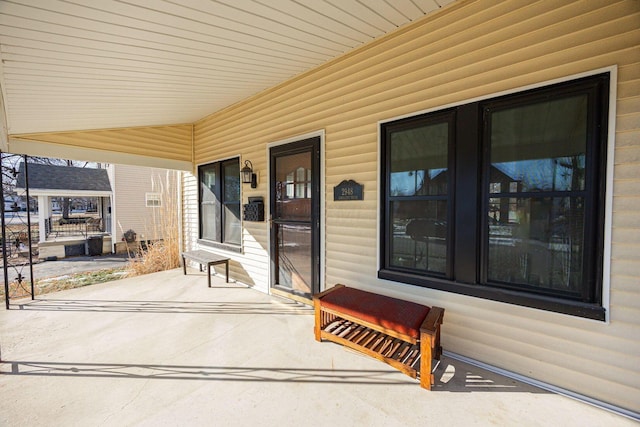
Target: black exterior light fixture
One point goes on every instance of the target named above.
(248, 177)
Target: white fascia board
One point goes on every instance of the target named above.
(34, 192)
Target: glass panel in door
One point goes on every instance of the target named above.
(294, 253)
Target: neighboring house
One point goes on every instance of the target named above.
(551, 87)
(141, 196)
(128, 198)
(47, 182)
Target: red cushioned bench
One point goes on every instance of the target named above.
(401, 333)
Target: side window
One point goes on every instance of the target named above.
(153, 200)
(219, 201)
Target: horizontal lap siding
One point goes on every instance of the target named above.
(473, 49)
(248, 268)
(189, 196)
(625, 299)
(131, 185)
(166, 142)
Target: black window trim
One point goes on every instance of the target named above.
(442, 116)
(469, 117)
(207, 242)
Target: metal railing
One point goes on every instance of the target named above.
(74, 226)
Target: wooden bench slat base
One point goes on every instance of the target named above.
(416, 358)
(205, 258)
(379, 346)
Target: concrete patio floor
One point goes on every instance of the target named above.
(164, 349)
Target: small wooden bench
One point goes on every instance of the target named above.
(205, 258)
(400, 333)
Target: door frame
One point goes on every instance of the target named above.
(321, 234)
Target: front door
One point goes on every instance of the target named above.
(295, 218)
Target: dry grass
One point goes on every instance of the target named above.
(161, 254)
(164, 252)
(70, 281)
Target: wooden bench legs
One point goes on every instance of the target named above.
(430, 348)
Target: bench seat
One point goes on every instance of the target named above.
(205, 258)
(403, 334)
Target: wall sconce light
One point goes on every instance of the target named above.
(248, 177)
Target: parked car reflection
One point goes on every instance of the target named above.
(422, 229)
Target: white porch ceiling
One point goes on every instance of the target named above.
(94, 64)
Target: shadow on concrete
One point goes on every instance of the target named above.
(174, 307)
(201, 373)
(451, 375)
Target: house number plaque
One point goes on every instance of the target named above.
(348, 190)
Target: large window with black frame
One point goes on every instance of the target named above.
(219, 201)
(502, 198)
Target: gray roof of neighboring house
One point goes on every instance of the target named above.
(49, 177)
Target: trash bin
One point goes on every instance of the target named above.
(94, 245)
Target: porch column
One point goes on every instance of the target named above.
(44, 212)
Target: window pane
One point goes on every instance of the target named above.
(231, 172)
(539, 147)
(208, 184)
(293, 193)
(210, 220)
(210, 214)
(419, 161)
(537, 242)
(294, 257)
(232, 224)
(419, 235)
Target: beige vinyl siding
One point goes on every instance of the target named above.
(190, 225)
(173, 143)
(472, 49)
(131, 212)
(250, 267)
